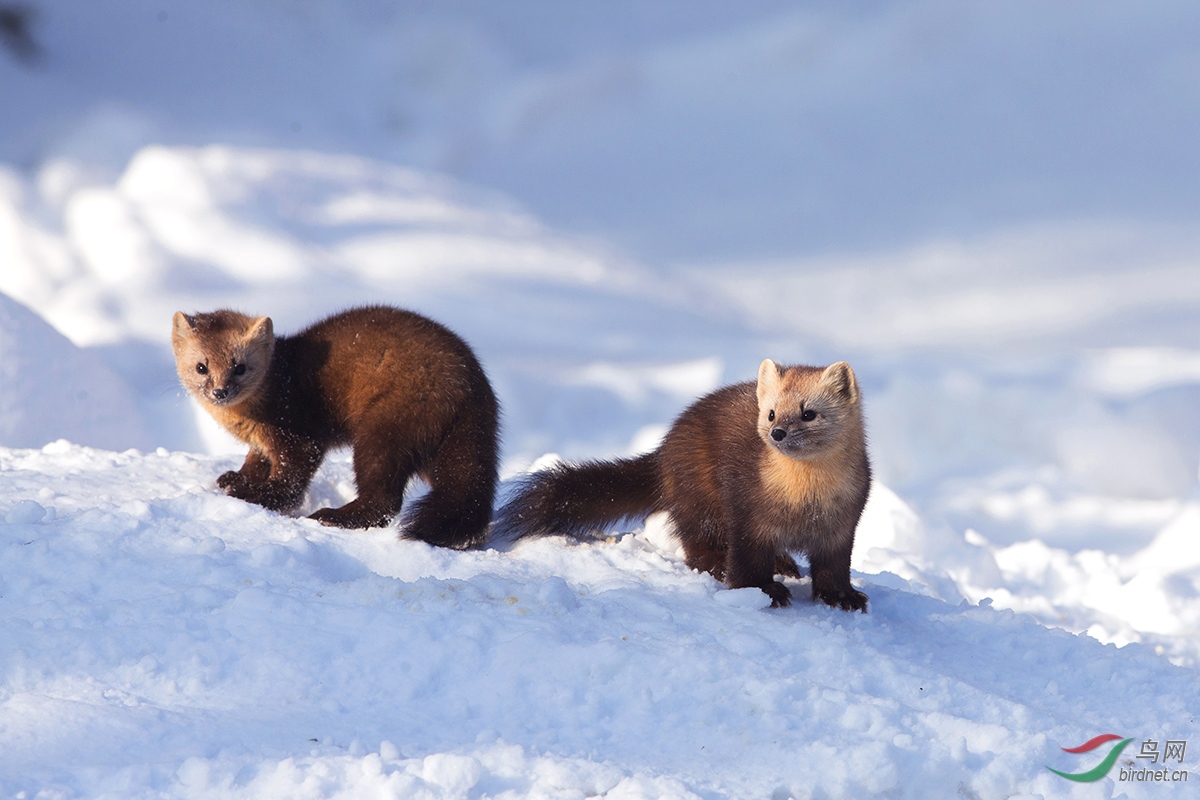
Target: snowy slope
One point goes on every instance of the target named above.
(164, 641)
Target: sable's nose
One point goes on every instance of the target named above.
(220, 394)
(779, 434)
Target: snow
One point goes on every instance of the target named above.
(50, 389)
(621, 208)
(226, 651)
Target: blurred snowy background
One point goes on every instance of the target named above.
(990, 210)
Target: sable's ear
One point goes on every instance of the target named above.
(261, 330)
(182, 327)
(768, 380)
(840, 378)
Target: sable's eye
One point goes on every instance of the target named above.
(202, 369)
(771, 415)
(239, 369)
(808, 416)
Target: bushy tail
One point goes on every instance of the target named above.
(576, 499)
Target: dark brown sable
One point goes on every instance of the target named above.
(405, 392)
(749, 474)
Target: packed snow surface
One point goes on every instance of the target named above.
(986, 210)
(163, 640)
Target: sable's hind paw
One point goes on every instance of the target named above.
(779, 594)
(846, 599)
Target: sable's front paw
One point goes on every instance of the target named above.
(235, 485)
(779, 594)
(227, 479)
(710, 561)
(354, 514)
(846, 599)
(327, 516)
(786, 566)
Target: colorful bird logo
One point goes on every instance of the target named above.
(1100, 770)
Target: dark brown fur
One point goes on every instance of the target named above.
(405, 392)
(748, 473)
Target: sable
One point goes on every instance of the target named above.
(749, 474)
(405, 392)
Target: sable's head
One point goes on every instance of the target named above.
(222, 357)
(804, 412)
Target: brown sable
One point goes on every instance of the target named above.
(749, 474)
(405, 392)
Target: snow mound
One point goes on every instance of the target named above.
(50, 389)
